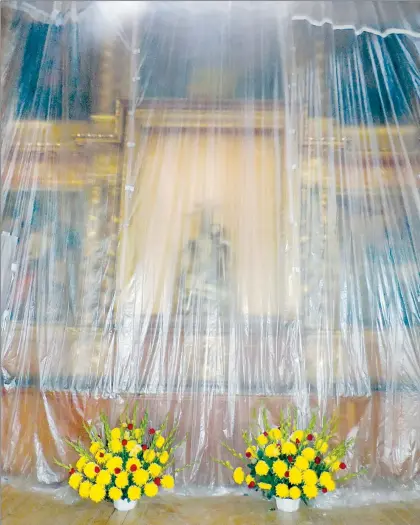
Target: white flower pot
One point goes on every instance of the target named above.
(124, 504)
(287, 505)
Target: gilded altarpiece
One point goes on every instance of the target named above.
(189, 205)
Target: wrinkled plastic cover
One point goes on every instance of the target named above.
(208, 212)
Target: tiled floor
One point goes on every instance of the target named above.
(27, 508)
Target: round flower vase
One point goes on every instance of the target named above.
(287, 505)
(124, 505)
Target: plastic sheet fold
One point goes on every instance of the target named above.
(209, 210)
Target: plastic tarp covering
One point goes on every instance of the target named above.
(210, 209)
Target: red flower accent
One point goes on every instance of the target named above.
(297, 442)
(324, 490)
(97, 470)
(124, 442)
(343, 466)
(117, 470)
(130, 426)
(248, 454)
(265, 434)
(317, 460)
(133, 468)
(286, 474)
(309, 437)
(290, 459)
(152, 431)
(144, 447)
(251, 485)
(71, 471)
(156, 481)
(101, 454)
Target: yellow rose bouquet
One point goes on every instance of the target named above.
(124, 463)
(291, 464)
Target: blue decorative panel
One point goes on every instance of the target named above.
(43, 74)
(376, 79)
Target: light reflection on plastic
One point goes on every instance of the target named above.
(124, 8)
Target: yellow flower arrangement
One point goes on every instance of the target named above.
(163, 457)
(116, 446)
(97, 493)
(308, 453)
(149, 456)
(103, 478)
(151, 489)
(302, 463)
(116, 433)
(249, 479)
(141, 477)
(131, 444)
(134, 493)
(321, 446)
(324, 479)
(160, 441)
(96, 445)
(274, 434)
(75, 480)
(91, 470)
(251, 452)
(168, 482)
(121, 480)
(239, 475)
(115, 462)
(335, 466)
(330, 486)
(272, 451)
(84, 489)
(262, 440)
(101, 457)
(288, 448)
(295, 493)
(295, 476)
(124, 462)
(132, 464)
(261, 468)
(279, 468)
(282, 490)
(310, 491)
(134, 452)
(114, 494)
(310, 477)
(288, 462)
(297, 436)
(81, 463)
(155, 470)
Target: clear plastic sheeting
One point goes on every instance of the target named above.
(383, 17)
(208, 210)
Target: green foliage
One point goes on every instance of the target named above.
(62, 465)
(184, 467)
(312, 424)
(107, 428)
(235, 454)
(247, 438)
(225, 464)
(79, 448)
(164, 424)
(266, 424)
